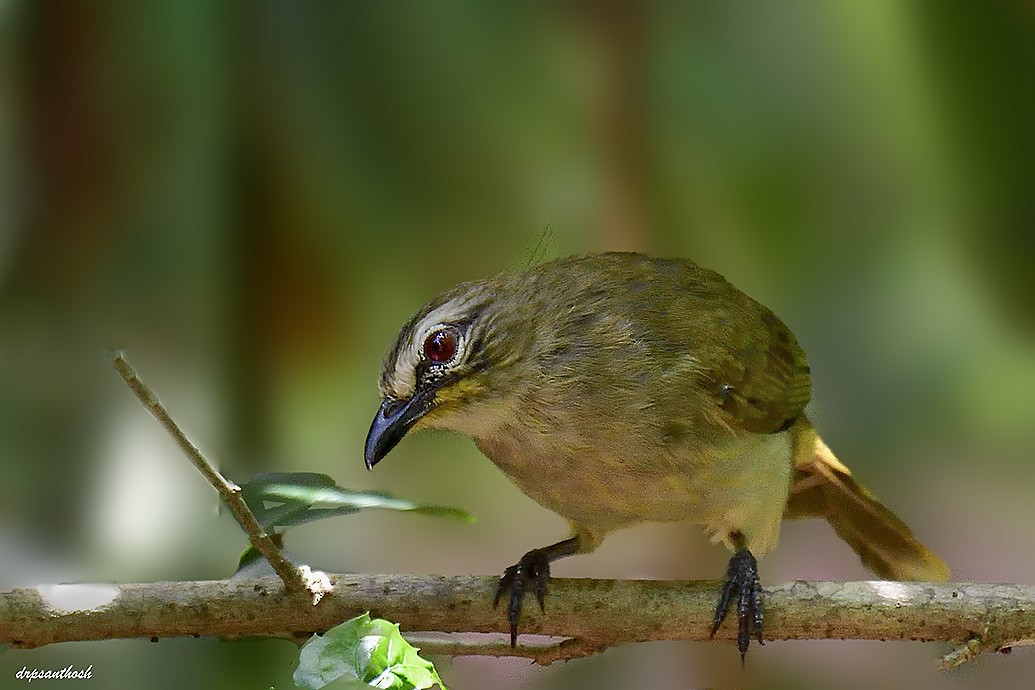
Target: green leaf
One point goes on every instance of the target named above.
(286, 499)
(368, 652)
(273, 511)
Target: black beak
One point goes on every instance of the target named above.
(392, 422)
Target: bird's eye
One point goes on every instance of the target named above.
(441, 345)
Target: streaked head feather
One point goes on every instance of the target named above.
(458, 307)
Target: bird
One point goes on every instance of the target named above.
(618, 388)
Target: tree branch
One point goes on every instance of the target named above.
(592, 614)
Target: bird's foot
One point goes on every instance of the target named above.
(533, 570)
(742, 578)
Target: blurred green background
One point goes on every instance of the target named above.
(251, 198)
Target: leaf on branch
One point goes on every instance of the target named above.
(280, 500)
(369, 652)
(286, 499)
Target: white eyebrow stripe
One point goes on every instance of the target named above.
(404, 377)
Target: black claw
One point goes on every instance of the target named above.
(742, 578)
(533, 569)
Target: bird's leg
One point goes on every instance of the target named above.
(742, 578)
(532, 570)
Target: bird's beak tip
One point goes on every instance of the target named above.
(370, 459)
(390, 424)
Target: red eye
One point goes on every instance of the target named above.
(441, 345)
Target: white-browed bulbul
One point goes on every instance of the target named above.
(618, 388)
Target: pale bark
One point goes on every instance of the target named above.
(589, 614)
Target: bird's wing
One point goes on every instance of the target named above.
(762, 383)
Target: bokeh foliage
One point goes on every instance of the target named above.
(250, 198)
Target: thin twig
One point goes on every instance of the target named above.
(230, 493)
(563, 649)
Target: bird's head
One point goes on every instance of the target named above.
(448, 365)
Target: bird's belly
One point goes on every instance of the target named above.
(740, 486)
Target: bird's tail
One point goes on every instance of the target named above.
(823, 487)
